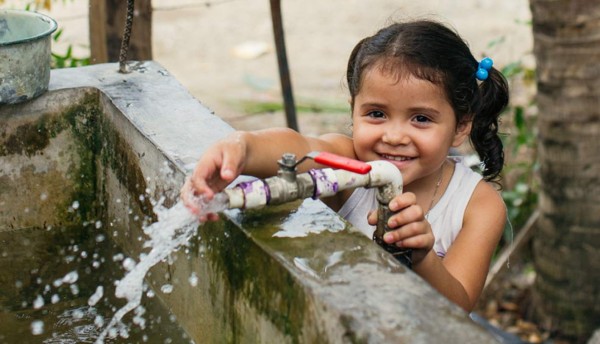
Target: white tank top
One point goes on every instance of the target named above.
(446, 217)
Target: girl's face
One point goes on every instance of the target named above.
(407, 121)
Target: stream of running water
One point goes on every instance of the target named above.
(174, 228)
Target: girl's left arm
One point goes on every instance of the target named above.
(461, 274)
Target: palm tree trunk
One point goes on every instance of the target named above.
(566, 293)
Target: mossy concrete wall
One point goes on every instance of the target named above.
(117, 142)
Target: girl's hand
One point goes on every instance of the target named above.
(218, 167)
(412, 230)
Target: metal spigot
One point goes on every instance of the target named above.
(287, 167)
(403, 255)
(386, 191)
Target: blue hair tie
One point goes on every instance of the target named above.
(482, 70)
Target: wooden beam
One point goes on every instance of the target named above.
(513, 250)
(107, 22)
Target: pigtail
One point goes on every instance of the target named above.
(493, 98)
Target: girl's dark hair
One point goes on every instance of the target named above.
(431, 51)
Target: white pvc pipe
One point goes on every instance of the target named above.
(387, 178)
(328, 182)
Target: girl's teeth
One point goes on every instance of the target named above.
(396, 158)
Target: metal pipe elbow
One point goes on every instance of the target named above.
(386, 177)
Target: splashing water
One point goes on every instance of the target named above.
(174, 228)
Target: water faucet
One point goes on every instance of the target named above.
(289, 185)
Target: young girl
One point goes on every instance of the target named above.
(416, 91)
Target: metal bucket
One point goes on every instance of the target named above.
(24, 55)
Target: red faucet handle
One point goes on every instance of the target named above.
(337, 161)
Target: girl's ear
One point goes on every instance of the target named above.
(462, 133)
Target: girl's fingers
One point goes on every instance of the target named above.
(372, 218)
(185, 196)
(416, 235)
(217, 168)
(410, 214)
(424, 241)
(402, 201)
(231, 161)
(404, 232)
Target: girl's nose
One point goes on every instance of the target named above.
(395, 135)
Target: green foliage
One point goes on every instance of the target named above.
(253, 107)
(67, 59)
(520, 193)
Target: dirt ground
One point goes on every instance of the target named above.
(222, 51)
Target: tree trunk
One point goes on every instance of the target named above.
(107, 23)
(566, 295)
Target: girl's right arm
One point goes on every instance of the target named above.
(256, 154)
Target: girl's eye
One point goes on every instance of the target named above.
(422, 119)
(376, 114)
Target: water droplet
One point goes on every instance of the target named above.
(112, 332)
(123, 332)
(93, 300)
(128, 264)
(166, 288)
(37, 327)
(38, 302)
(99, 321)
(78, 314)
(193, 279)
(71, 277)
(74, 289)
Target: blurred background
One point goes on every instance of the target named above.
(223, 52)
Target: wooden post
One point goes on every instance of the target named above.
(107, 22)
